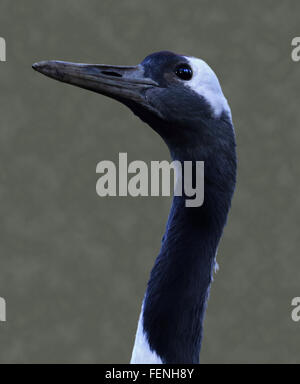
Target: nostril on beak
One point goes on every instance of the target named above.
(111, 73)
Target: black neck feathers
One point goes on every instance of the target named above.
(178, 289)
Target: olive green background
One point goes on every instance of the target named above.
(73, 266)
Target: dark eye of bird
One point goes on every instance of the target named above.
(184, 72)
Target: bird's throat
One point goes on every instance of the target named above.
(171, 322)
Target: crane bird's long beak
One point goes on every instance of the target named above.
(118, 82)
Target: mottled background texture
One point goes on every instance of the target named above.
(73, 266)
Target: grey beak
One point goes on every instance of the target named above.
(120, 83)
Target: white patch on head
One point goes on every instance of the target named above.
(206, 84)
(142, 353)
